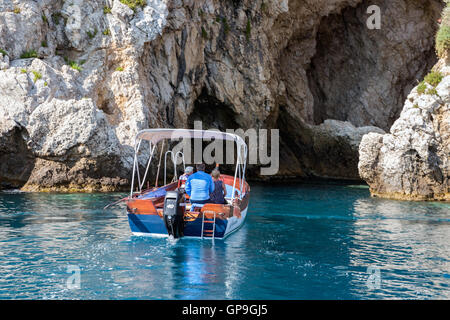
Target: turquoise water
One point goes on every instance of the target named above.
(299, 242)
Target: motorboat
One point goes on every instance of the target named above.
(166, 210)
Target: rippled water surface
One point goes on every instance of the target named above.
(299, 242)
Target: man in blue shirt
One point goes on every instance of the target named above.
(199, 185)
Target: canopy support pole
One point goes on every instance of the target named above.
(159, 164)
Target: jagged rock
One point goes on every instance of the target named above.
(16, 161)
(412, 162)
(22, 31)
(4, 61)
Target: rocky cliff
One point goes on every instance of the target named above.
(412, 161)
(78, 79)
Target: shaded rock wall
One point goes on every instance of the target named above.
(364, 76)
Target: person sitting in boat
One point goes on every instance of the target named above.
(183, 178)
(220, 191)
(199, 186)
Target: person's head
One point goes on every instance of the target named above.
(200, 167)
(189, 170)
(215, 174)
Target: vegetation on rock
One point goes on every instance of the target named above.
(422, 87)
(134, 4)
(204, 33)
(73, 64)
(92, 34)
(248, 30)
(56, 16)
(443, 35)
(29, 54)
(37, 75)
(433, 79)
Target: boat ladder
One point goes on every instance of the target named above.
(209, 233)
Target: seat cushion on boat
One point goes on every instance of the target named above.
(154, 194)
(197, 205)
(160, 192)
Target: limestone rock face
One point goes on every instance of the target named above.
(412, 162)
(80, 78)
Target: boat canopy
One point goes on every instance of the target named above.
(156, 135)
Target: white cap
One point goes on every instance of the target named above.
(189, 170)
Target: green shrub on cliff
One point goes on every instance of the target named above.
(37, 75)
(248, 30)
(432, 92)
(56, 16)
(443, 40)
(226, 26)
(29, 54)
(433, 79)
(422, 87)
(3, 52)
(443, 35)
(204, 33)
(134, 4)
(74, 65)
(92, 34)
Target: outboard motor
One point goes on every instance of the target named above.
(173, 215)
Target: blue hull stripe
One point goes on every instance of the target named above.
(142, 223)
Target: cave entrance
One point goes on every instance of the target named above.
(212, 113)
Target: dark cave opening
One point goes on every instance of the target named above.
(212, 113)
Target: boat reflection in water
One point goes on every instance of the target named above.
(192, 269)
